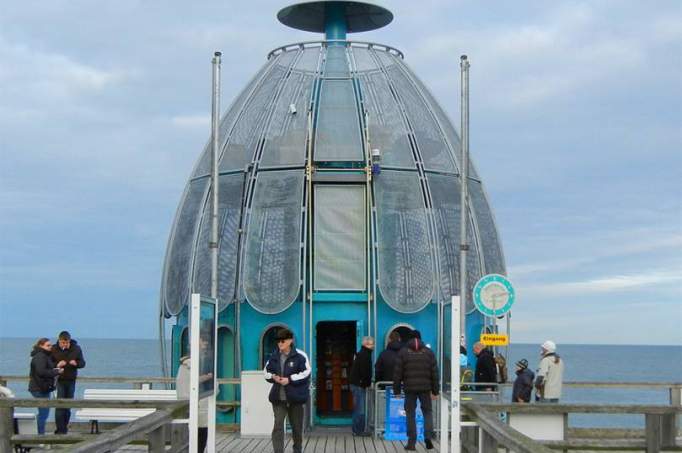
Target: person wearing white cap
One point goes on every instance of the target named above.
(550, 374)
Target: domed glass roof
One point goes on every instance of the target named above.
(318, 109)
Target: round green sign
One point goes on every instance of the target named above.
(494, 295)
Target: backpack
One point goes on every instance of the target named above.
(501, 365)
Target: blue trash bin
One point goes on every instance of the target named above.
(396, 420)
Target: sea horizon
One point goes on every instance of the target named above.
(524, 343)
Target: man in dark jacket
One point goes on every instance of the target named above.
(383, 369)
(68, 356)
(486, 370)
(360, 378)
(523, 385)
(288, 369)
(416, 372)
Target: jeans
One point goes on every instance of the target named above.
(65, 389)
(43, 412)
(294, 412)
(411, 413)
(358, 409)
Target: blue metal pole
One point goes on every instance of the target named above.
(335, 21)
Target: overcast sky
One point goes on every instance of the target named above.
(576, 130)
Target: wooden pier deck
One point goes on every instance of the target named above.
(319, 441)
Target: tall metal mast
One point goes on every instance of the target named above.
(464, 201)
(215, 118)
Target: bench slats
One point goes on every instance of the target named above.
(121, 415)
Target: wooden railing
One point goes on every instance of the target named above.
(135, 382)
(153, 426)
(660, 426)
(494, 434)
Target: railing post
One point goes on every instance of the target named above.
(157, 440)
(6, 428)
(653, 433)
(486, 442)
(179, 437)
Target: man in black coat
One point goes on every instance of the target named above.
(383, 369)
(416, 372)
(68, 355)
(360, 378)
(486, 371)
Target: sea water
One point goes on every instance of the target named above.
(607, 363)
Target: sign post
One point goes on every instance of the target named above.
(451, 444)
(203, 342)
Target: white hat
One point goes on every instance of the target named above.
(549, 346)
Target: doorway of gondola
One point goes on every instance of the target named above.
(335, 345)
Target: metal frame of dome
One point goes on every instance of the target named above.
(263, 139)
(318, 16)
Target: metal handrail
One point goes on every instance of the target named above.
(323, 43)
(118, 380)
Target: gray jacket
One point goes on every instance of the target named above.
(182, 386)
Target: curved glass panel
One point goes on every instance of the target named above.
(229, 210)
(386, 127)
(340, 240)
(338, 136)
(363, 59)
(309, 59)
(286, 138)
(487, 231)
(336, 62)
(247, 132)
(445, 198)
(273, 246)
(446, 124)
(432, 147)
(405, 264)
(203, 167)
(179, 261)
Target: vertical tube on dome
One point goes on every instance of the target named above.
(464, 178)
(335, 27)
(215, 117)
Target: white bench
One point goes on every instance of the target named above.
(122, 415)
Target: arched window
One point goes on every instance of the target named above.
(184, 342)
(403, 329)
(268, 341)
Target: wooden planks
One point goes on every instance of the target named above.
(323, 442)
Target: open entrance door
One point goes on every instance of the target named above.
(335, 345)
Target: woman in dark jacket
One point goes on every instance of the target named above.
(42, 377)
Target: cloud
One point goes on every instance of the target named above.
(192, 121)
(613, 246)
(546, 56)
(607, 284)
(50, 76)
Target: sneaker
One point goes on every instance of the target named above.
(429, 444)
(410, 447)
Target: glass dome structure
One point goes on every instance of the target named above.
(359, 97)
(305, 218)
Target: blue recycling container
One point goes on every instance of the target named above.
(396, 420)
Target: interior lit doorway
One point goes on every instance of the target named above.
(336, 342)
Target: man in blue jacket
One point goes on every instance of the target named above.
(288, 369)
